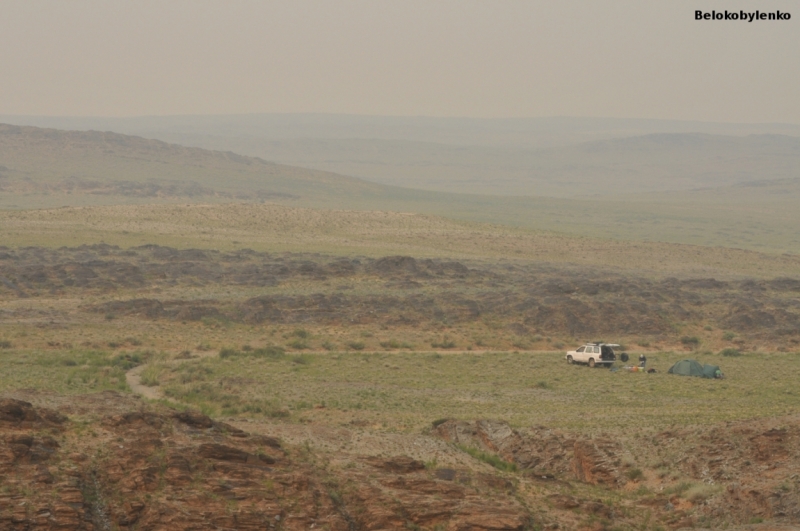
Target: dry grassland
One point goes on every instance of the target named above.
(276, 228)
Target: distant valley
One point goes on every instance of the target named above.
(47, 168)
(551, 157)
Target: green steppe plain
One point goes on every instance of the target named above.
(394, 391)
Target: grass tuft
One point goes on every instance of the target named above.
(491, 459)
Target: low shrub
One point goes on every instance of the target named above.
(228, 353)
(302, 359)
(730, 352)
(392, 343)
(446, 342)
(301, 333)
(277, 412)
(271, 352)
(634, 474)
(193, 373)
(298, 344)
(128, 361)
(701, 492)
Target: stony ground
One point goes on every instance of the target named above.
(479, 304)
(110, 461)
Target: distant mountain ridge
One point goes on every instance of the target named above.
(541, 132)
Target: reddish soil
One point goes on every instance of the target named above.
(107, 461)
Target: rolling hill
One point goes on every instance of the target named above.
(554, 157)
(46, 168)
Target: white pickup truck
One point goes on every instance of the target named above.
(594, 354)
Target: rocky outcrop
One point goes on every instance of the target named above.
(222, 452)
(145, 468)
(596, 461)
(402, 464)
(194, 419)
(140, 467)
(531, 300)
(539, 450)
(771, 444)
(20, 414)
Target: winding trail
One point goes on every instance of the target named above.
(134, 379)
(134, 376)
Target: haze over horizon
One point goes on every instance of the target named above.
(620, 59)
(480, 111)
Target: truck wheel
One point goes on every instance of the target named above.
(591, 362)
(624, 357)
(570, 360)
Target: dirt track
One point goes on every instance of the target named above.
(133, 378)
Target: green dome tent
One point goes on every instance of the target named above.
(689, 368)
(712, 371)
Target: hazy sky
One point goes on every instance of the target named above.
(501, 58)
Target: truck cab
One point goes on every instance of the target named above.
(593, 354)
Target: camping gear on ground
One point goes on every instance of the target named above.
(693, 368)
